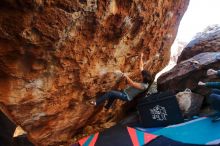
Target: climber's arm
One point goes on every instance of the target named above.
(134, 84)
(210, 84)
(213, 72)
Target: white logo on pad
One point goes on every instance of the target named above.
(159, 113)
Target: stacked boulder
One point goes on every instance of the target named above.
(207, 41)
(198, 56)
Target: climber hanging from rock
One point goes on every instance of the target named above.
(128, 94)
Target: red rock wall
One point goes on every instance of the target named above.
(57, 54)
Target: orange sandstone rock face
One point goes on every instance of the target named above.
(58, 54)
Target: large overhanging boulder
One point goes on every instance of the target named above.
(207, 41)
(58, 54)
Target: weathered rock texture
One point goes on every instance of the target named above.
(207, 41)
(187, 74)
(57, 54)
